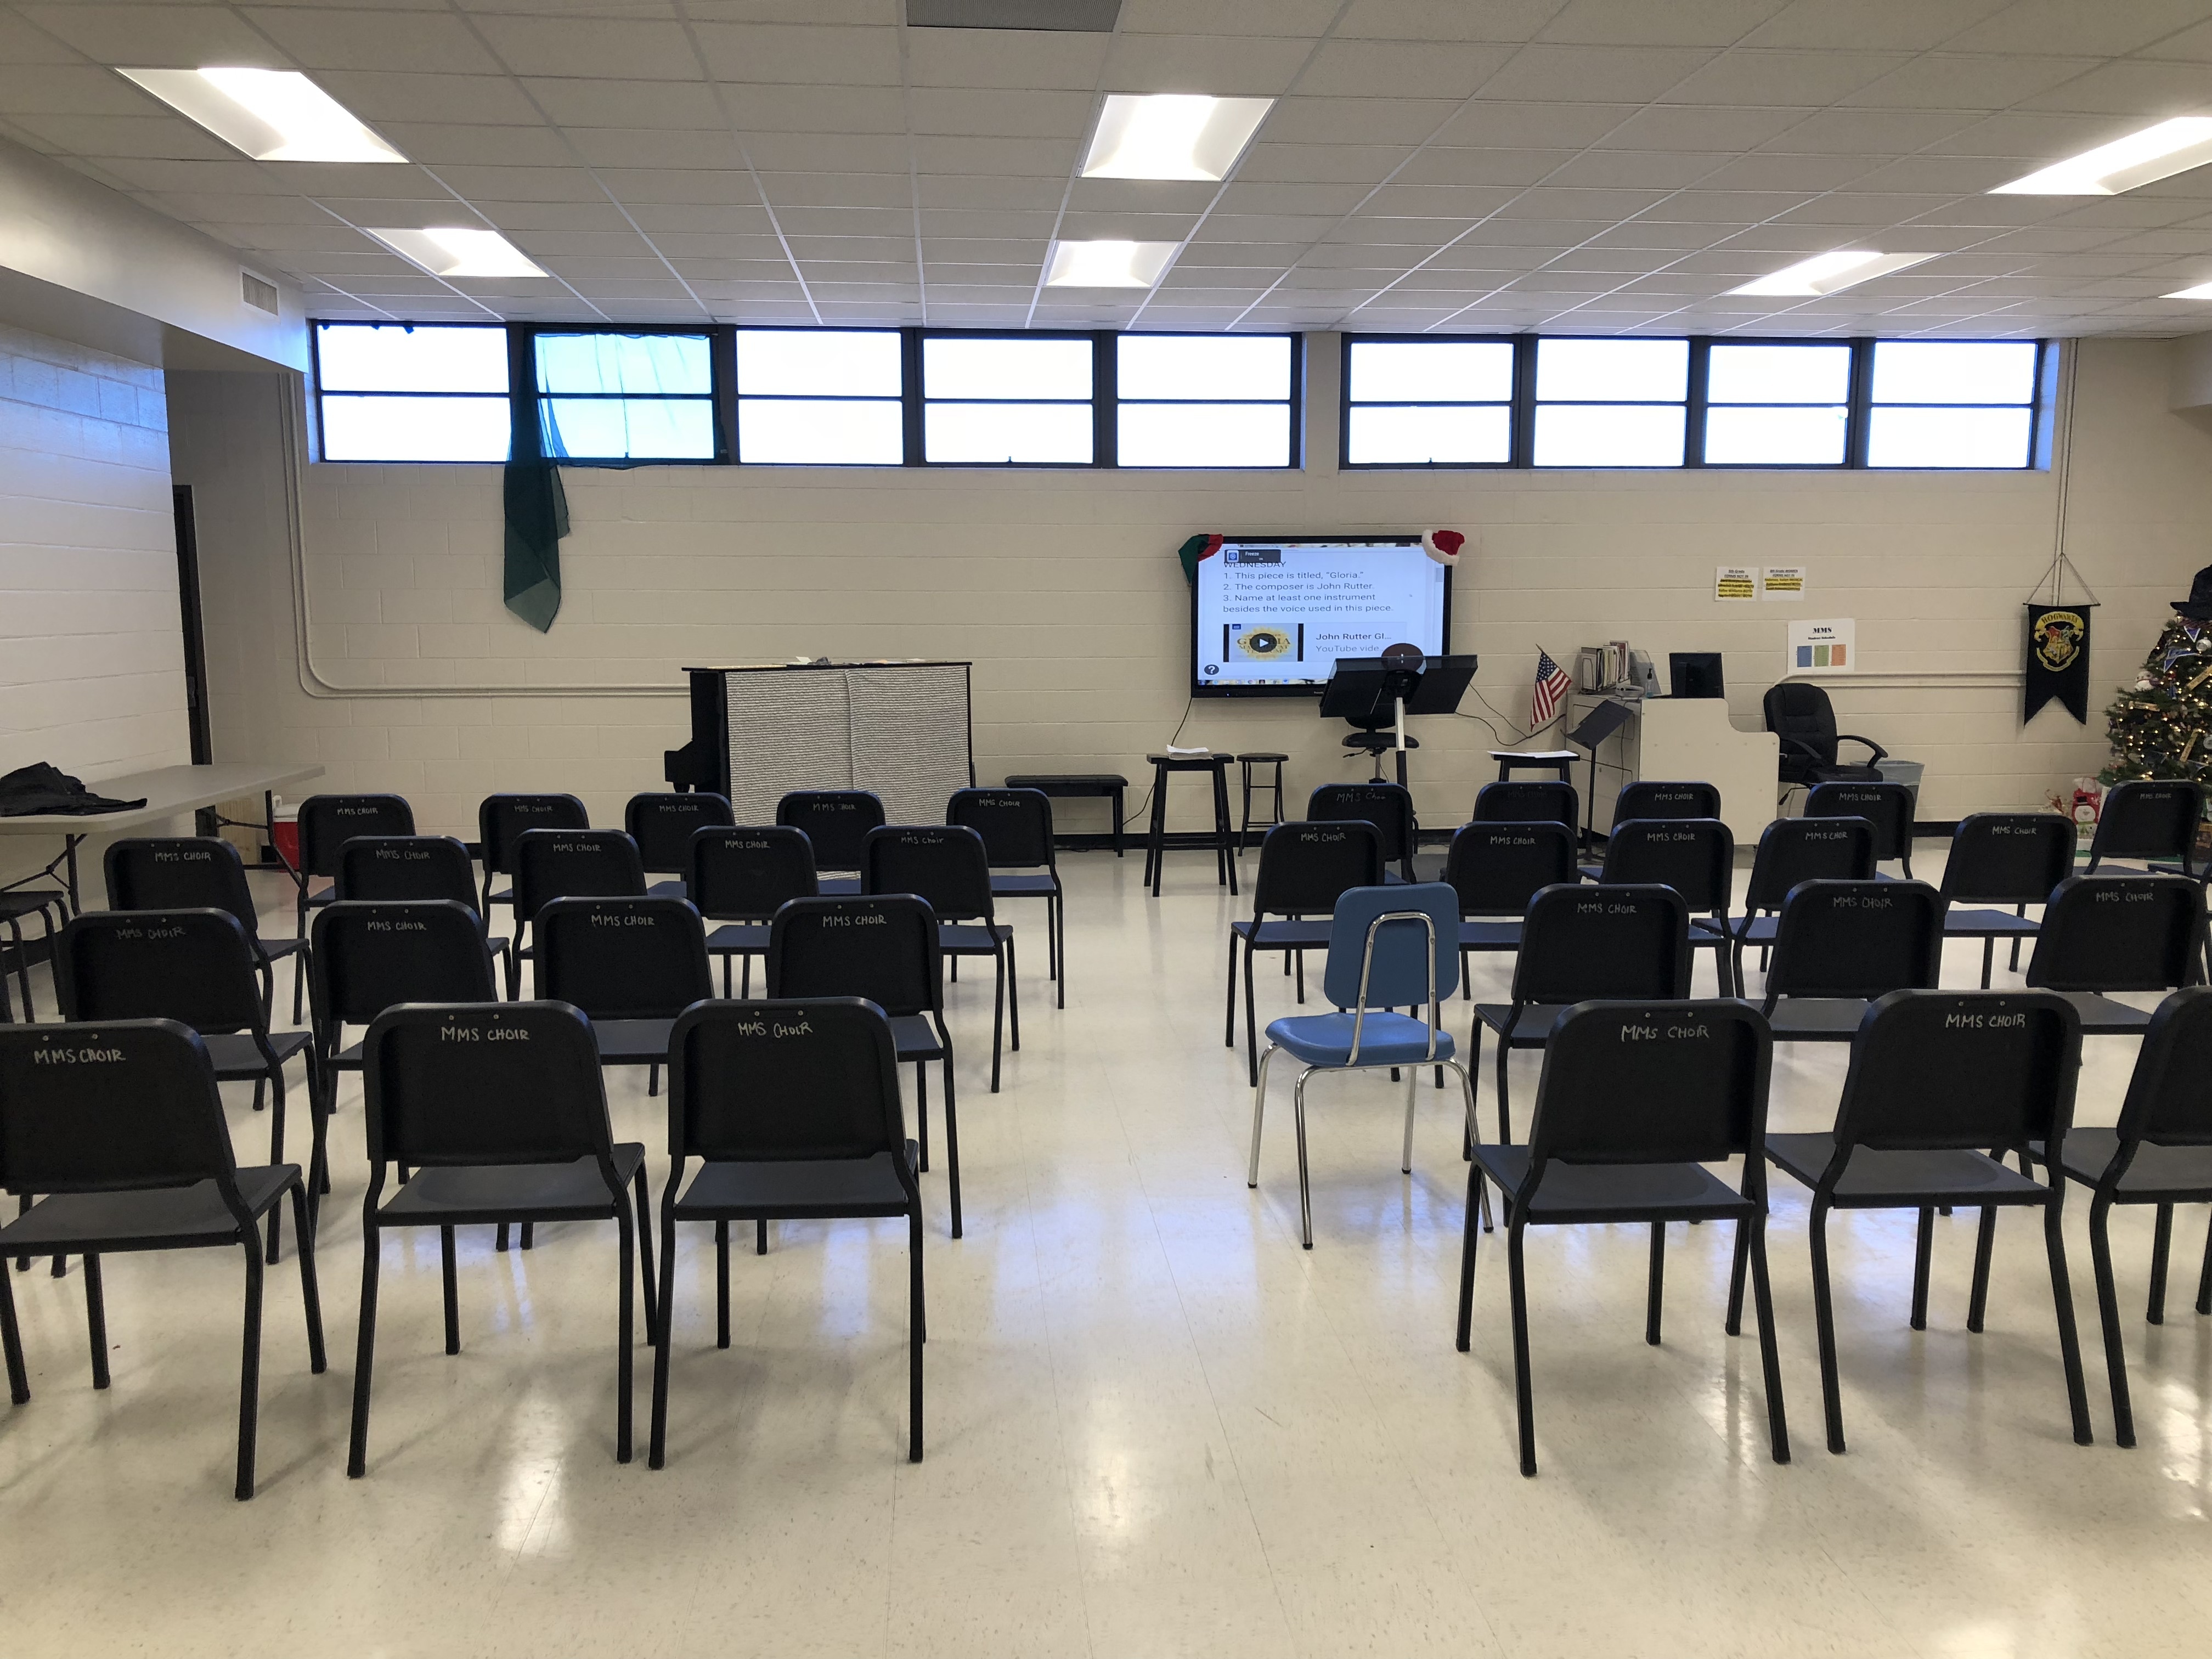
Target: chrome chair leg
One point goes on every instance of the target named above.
(1412, 1075)
(1305, 1194)
(1259, 1103)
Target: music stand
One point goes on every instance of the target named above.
(1375, 694)
(1604, 719)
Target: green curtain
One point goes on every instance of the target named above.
(537, 520)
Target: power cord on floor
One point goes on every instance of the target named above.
(1144, 799)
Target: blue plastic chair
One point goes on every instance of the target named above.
(1389, 947)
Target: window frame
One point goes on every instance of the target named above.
(1293, 400)
(2041, 404)
(720, 398)
(315, 327)
(1517, 438)
(1689, 403)
(1104, 425)
(909, 360)
(1701, 350)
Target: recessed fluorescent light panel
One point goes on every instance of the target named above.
(1107, 264)
(1171, 135)
(2201, 291)
(453, 251)
(273, 115)
(1828, 273)
(2140, 158)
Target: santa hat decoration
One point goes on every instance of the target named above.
(1444, 545)
(1198, 547)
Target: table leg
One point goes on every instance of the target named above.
(1156, 842)
(76, 900)
(1117, 823)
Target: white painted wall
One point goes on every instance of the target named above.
(1063, 587)
(91, 652)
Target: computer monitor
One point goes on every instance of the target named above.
(1694, 674)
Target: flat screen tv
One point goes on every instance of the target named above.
(1270, 615)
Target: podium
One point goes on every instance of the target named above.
(760, 731)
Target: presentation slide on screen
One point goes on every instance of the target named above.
(1282, 612)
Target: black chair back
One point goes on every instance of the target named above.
(746, 874)
(623, 959)
(2120, 933)
(1527, 802)
(195, 967)
(944, 865)
(327, 822)
(502, 819)
(371, 954)
(1960, 1071)
(181, 873)
(397, 868)
(1792, 850)
(1696, 857)
(485, 1082)
(837, 821)
(2168, 1102)
(1581, 944)
(1799, 713)
(1497, 868)
(883, 948)
(1016, 825)
(1387, 806)
(1644, 797)
(1857, 939)
(110, 1106)
(1304, 867)
(772, 1082)
(1888, 807)
(662, 826)
(558, 864)
(1655, 1083)
(2153, 818)
(2007, 857)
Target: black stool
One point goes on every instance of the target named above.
(1554, 761)
(1221, 841)
(1076, 784)
(1275, 817)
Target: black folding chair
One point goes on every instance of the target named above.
(1888, 807)
(2148, 819)
(1016, 825)
(501, 819)
(1526, 801)
(1643, 798)
(1936, 1078)
(558, 864)
(1636, 1099)
(1387, 806)
(410, 868)
(631, 965)
(500, 1110)
(1497, 869)
(946, 868)
(1584, 945)
(2159, 1153)
(199, 873)
(836, 822)
(662, 825)
(742, 877)
(197, 968)
(50, 905)
(793, 1109)
(327, 822)
(1696, 857)
(2107, 933)
(885, 951)
(121, 1124)
(1304, 868)
(1843, 944)
(2003, 857)
(1792, 850)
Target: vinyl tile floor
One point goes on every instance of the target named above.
(1156, 1425)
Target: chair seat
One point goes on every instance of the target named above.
(632, 1041)
(505, 896)
(459, 1194)
(916, 1037)
(1531, 1031)
(1041, 885)
(30, 903)
(278, 949)
(236, 1057)
(2102, 1017)
(1875, 1177)
(840, 886)
(155, 1218)
(1844, 774)
(1760, 931)
(346, 1059)
(1604, 1191)
(1284, 935)
(1494, 935)
(1385, 1039)
(2174, 1174)
(972, 938)
(672, 888)
(325, 895)
(1988, 924)
(799, 1187)
(739, 938)
(1817, 1019)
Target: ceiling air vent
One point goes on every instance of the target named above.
(258, 293)
(1075, 16)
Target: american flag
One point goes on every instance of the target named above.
(1550, 689)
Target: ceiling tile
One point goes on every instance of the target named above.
(1682, 22)
(627, 147)
(787, 55)
(62, 90)
(1596, 74)
(592, 48)
(854, 109)
(1384, 120)
(840, 190)
(2066, 26)
(377, 96)
(437, 144)
(997, 114)
(1782, 79)
(146, 135)
(1223, 66)
(1956, 80)
(1047, 158)
(158, 36)
(330, 37)
(1023, 59)
(1389, 69)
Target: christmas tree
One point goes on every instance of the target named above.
(2162, 726)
